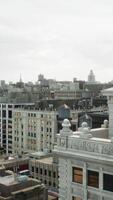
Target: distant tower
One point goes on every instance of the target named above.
(20, 84)
(91, 77)
(40, 77)
(20, 79)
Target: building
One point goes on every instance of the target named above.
(26, 128)
(15, 164)
(33, 130)
(64, 112)
(2, 83)
(6, 110)
(1, 152)
(96, 116)
(20, 187)
(86, 160)
(44, 167)
(91, 77)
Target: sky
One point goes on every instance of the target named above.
(61, 39)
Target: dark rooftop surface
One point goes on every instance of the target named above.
(6, 190)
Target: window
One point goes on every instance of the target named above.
(49, 173)
(45, 172)
(76, 198)
(40, 170)
(9, 126)
(108, 182)
(49, 183)
(32, 169)
(77, 175)
(54, 184)
(4, 113)
(9, 106)
(93, 179)
(9, 114)
(4, 121)
(54, 174)
(37, 170)
(31, 134)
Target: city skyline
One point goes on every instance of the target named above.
(60, 39)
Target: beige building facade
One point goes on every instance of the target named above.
(33, 130)
(44, 167)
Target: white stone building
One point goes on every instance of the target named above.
(86, 160)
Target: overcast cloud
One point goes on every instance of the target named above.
(60, 38)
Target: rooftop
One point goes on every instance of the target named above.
(38, 154)
(11, 184)
(47, 160)
(108, 91)
(4, 161)
(6, 190)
